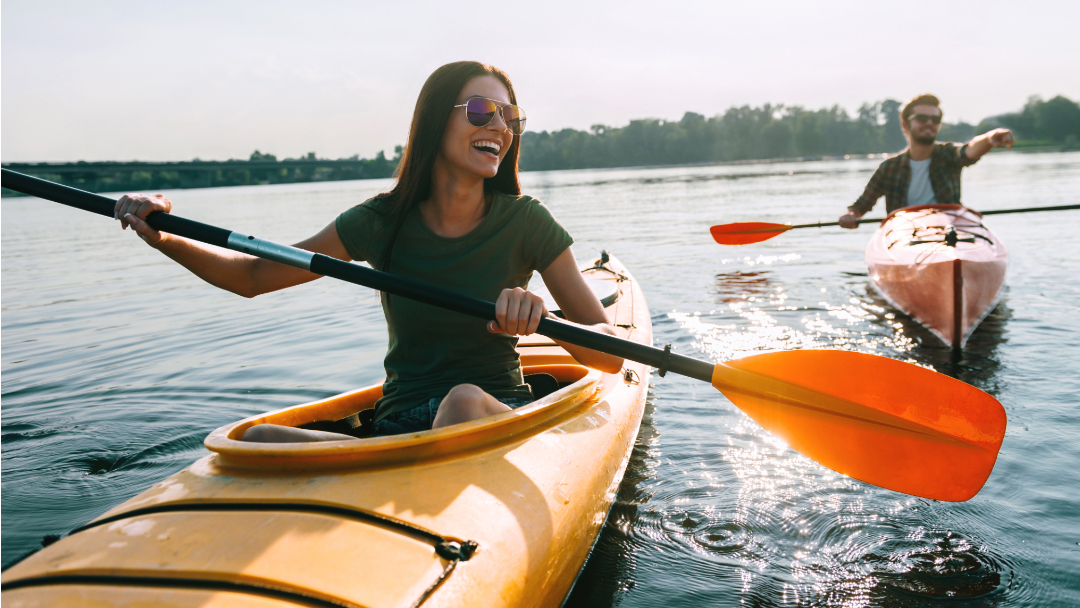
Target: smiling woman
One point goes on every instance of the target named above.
(455, 218)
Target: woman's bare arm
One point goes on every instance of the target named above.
(239, 273)
(579, 304)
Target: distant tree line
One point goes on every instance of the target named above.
(776, 131)
(740, 133)
(258, 169)
(1042, 123)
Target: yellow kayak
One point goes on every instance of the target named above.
(496, 512)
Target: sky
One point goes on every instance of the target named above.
(171, 80)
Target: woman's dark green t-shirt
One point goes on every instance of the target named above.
(432, 350)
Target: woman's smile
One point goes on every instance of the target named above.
(490, 147)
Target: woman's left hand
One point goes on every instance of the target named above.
(518, 312)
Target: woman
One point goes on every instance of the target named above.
(456, 218)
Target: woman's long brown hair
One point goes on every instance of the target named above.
(433, 110)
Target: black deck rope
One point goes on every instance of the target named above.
(261, 589)
(300, 507)
(602, 264)
(464, 550)
(917, 233)
(452, 551)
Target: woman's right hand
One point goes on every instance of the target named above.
(132, 210)
(517, 312)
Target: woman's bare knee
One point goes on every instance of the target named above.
(464, 393)
(466, 402)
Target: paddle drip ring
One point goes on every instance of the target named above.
(665, 361)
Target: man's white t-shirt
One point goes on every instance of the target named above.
(920, 192)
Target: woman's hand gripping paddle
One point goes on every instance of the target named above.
(882, 421)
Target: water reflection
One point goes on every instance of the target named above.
(758, 312)
(735, 286)
(680, 175)
(609, 573)
(795, 532)
(757, 524)
(978, 363)
(930, 566)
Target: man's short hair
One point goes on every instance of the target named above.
(922, 100)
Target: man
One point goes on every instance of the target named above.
(927, 172)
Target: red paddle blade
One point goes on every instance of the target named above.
(889, 423)
(744, 233)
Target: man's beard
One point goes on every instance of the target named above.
(925, 140)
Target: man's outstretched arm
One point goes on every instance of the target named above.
(998, 138)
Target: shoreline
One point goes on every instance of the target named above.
(43, 169)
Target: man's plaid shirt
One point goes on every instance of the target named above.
(893, 177)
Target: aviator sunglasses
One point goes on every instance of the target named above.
(481, 111)
(927, 118)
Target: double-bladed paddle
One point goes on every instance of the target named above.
(889, 423)
(745, 233)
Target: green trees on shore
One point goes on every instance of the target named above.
(768, 131)
(740, 133)
(258, 169)
(1056, 121)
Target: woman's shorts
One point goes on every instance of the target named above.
(421, 417)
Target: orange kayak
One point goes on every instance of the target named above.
(501, 511)
(939, 265)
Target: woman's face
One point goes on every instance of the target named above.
(477, 150)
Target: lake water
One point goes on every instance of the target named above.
(116, 363)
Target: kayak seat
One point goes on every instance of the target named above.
(542, 385)
(359, 425)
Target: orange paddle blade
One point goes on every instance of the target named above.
(888, 423)
(744, 233)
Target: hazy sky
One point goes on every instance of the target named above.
(157, 80)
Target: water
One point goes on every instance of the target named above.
(116, 364)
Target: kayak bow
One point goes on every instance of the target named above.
(939, 265)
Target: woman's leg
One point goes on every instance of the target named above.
(467, 402)
(274, 433)
(463, 403)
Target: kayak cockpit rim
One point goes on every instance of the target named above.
(938, 206)
(405, 449)
(951, 233)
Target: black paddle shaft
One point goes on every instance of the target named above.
(360, 275)
(991, 212)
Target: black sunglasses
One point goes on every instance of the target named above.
(927, 118)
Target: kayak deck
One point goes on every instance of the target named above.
(939, 265)
(496, 512)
